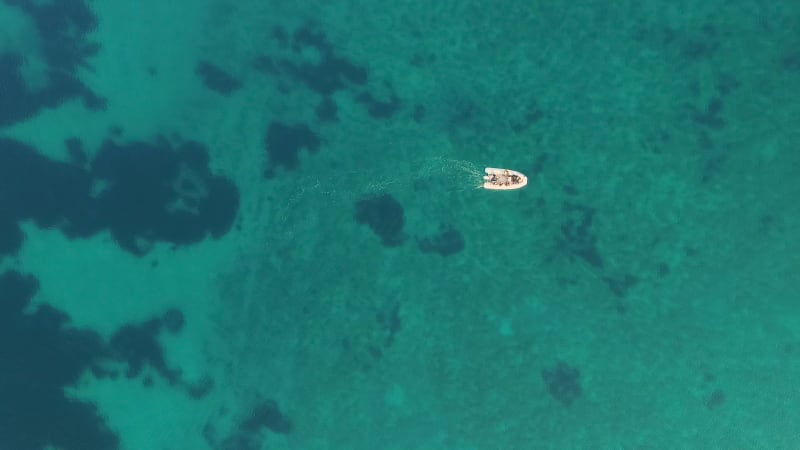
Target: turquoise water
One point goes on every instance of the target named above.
(259, 225)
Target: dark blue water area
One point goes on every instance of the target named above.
(141, 192)
(144, 192)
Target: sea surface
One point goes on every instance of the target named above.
(246, 225)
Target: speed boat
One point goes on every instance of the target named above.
(504, 179)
